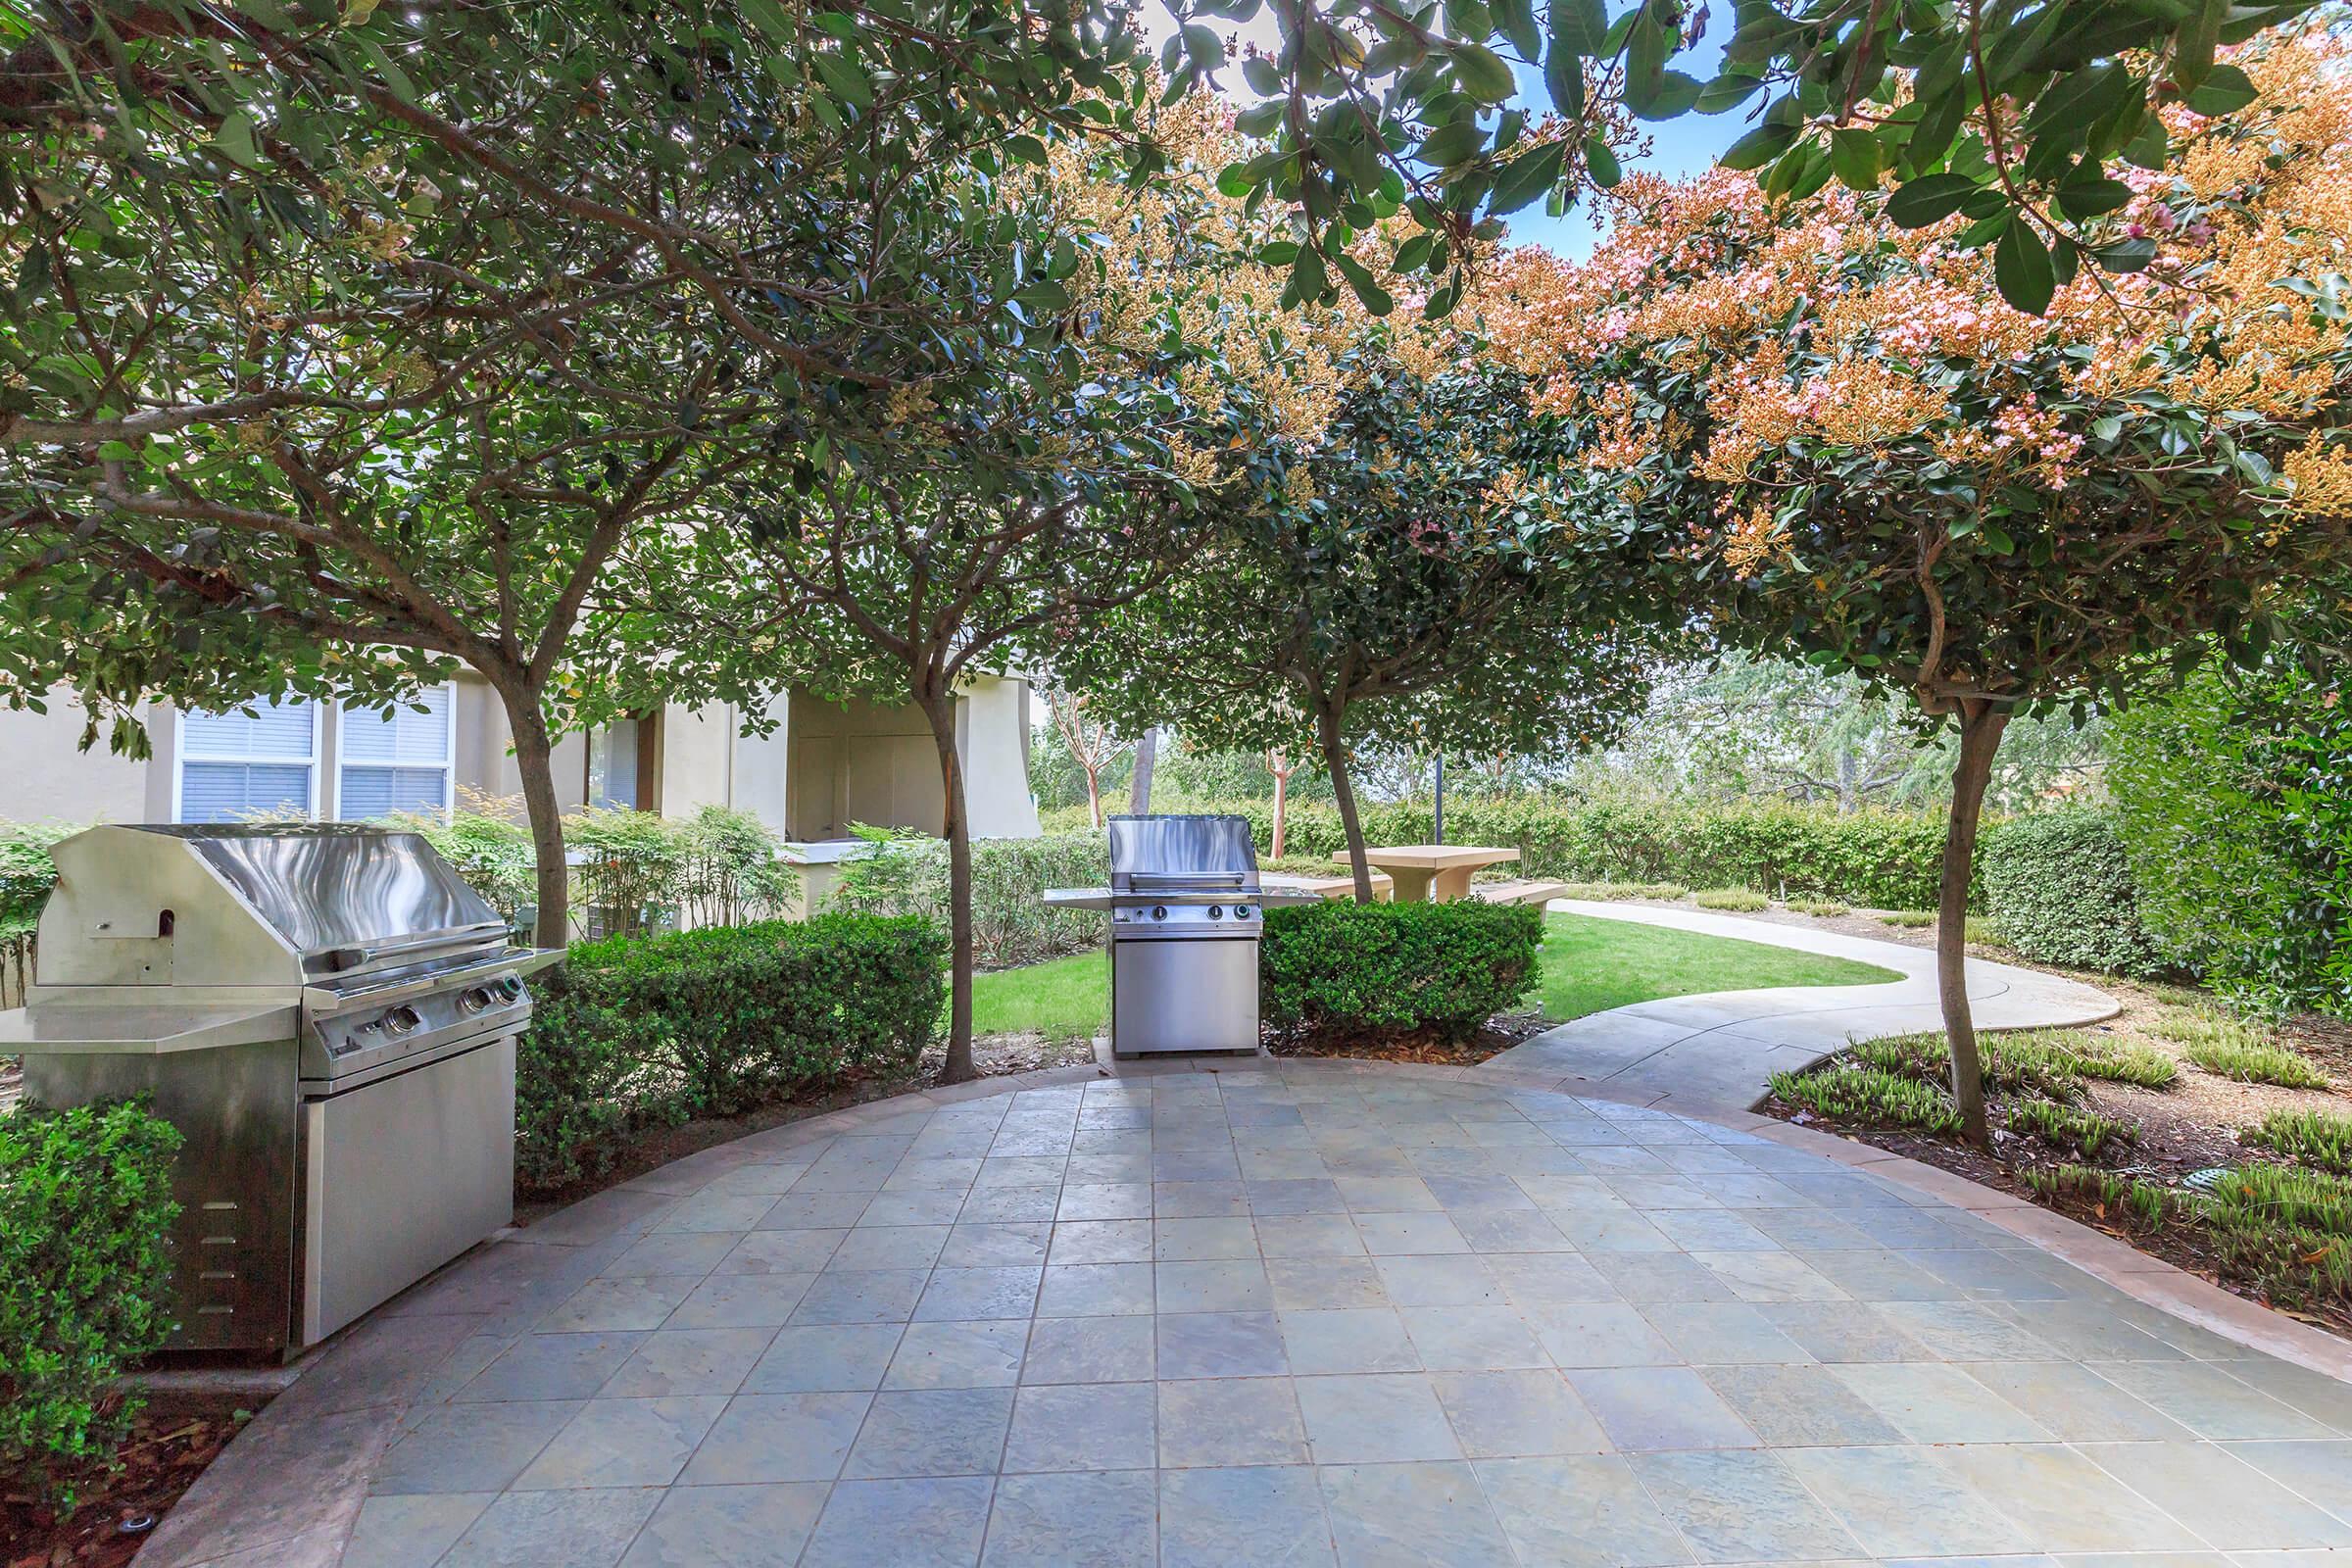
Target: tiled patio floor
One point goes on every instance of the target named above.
(1274, 1316)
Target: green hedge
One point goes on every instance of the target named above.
(642, 1031)
(85, 1285)
(1010, 924)
(2236, 804)
(1882, 860)
(2061, 892)
(1385, 970)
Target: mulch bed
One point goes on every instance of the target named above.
(1499, 1035)
(172, 1440)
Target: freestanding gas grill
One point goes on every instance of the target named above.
(328, 1017)
(1186, 908)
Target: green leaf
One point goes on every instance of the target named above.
(2225, 90)
(1359, 279)
(1929, 199)
(2088, 198)
(1527, 177)
(770, 18)
(1259, 120)
(1483, 73)
(1854, 155)
(2020, 265)
(2193, 44)
(1578, 28)
(1025, 149)
(1235, 180)
(1517, 19)
(1669, 94)
(1759, 147)
(2151, 149)
(1727, 92)
(1455, 143)
(234, 139)
(1600, 162)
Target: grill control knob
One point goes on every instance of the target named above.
(1159, 911)
(400, 1020)
(1216, 912)
(1242, 911)
(477, 1000)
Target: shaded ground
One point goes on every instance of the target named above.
(173, 1439)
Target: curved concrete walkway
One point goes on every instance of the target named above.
(1299, 1312)
(1716, 1052)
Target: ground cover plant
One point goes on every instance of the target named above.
(2237, 1049)
(1742, 900)
(2120, 1124)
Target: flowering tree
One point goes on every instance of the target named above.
(1405, 579)
(1880, 465)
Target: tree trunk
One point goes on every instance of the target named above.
(960, 1068)
(1094, 799)
(1282, 795)
(1335, 757)
(533, 760)
(1147, 752)
(1981, 727)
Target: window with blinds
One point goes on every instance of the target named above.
(262, 762)
(403, 761)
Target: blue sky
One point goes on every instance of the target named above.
(1684, 145)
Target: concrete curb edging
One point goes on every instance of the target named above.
(287, 1492)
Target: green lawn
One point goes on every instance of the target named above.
(1590, 965)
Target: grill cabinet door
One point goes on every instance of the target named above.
(1184, 994)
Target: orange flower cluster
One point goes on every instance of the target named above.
(1820, 325)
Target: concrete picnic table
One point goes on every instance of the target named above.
(1426, 871)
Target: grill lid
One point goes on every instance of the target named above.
(343, 897)
(1180, 852)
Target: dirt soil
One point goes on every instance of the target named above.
(1501, 1034)
(172, 1440)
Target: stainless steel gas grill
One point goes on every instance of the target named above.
(1186, 908)
(328, 1016)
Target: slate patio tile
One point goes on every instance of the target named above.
(740, 1525)
(1473, 1339)
(2210, 1402)
(1105, 1200)
(1219, 1285)
(1580, 1511)
(825, 1357)
(1800, 1407)
(1199, 1200)
(1009, 1204)
(1193, 1240)
(1083, 1426)
(778, 1437)
(1220, 1345)
(860, 1296)
(1325, 1284)
(472, 1447)
(675, 1253)
(807, 1212)
(1510, 1230)
(623, 1442)
(607, 1305)
(1723, 1333)
(1230, 1421)
(932, 1432)
(741, 1300)
(1101, 1519)
(1380, 1417)
(1438, 1281)
(2073, 1402)
(1391, 1233)
(2320, 1469)
(1882, 1275)
(2227, 1501)
(550, 1366)
(1968, 1331)
(1898, 1502)
(1771, 1277)
(1931, 1402)
(881, 1247)
(795, 1252)
(1743, 1506)
(1593, 1334)
(1509, 1414)
(688, 1361)
(1658, 1277)
(1096, 1289)
(1548, 1279)
(532, 1528)
(1249, 1514)
(1277, 1197)
(959, 1355)
(1347, 1340)
(405, 1531)
(2061, 1501)
(931, 1522)
(1100, 1241)
(1398, 1514)
(985, 1246)
(966, 1295)
(1089, 1350)
(1658, 1408)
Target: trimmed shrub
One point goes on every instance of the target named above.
(2061, 890)
(85, 1284)
(1010, 923)
(2235, 802)
(1389, 969)
(648, 1030)
(1882, 860)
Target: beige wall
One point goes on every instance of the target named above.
(859, 762)
(46, 777)
(993, 732)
